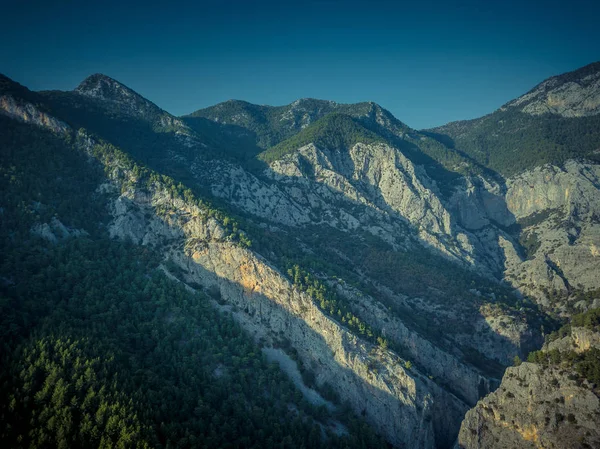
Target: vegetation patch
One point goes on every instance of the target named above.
(334, 131)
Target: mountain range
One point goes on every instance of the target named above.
(362, 282)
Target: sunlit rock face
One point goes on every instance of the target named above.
(29, 113)
(537, 406)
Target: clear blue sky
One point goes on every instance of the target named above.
(428, 62)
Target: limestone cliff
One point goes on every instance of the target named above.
(557, 209)
(534, 408)
(376, 189)
(540, 405)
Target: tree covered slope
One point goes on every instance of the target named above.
(100, 348)
(556, 121)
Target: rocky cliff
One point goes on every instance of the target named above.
(403, 405)
(557, 208)
(547, 404)
(534, 408)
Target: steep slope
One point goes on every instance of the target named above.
(556, 121)
(332, 184)
(205, 249)
(352, 206)
(551, 209)
(550, 401)
(100, 346)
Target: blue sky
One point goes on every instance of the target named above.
(428, 62)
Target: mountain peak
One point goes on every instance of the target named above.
(120, 97)
(10, 86)
(572, 94)
(103, 87)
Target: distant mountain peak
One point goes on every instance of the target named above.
(274, 124)
(104, 87)
(572, 94)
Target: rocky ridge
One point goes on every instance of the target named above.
(576, 94)
(377, 385)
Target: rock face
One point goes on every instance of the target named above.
(558, 210)
(572, 188)
(539, 406)
(29, 113)
(534, 408)
(574, 94)
(580, 340)
(372, 187)
(376, 188)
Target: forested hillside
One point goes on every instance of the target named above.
(510, 141)
(101, 349)
(556, 121)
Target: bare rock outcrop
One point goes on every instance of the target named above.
(534, 407)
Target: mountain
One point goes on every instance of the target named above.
(268, 126)
(556, 121)
(573, 94)
(101, 344)
(105, 89)
(392, 274)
